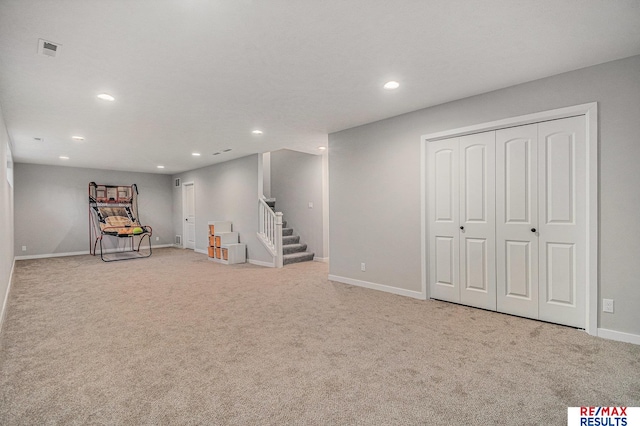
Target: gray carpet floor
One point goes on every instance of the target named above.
(177, 339)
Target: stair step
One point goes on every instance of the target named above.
(287, 231)
(290, 239)
(293, 248)
(297, 257)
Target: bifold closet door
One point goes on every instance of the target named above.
(517, 220)
(443, 219)
(462, 220)
(477, 220)
(562, 217)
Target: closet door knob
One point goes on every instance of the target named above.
(462, 228)
(533, 229)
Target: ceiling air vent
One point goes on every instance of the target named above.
(48, 48)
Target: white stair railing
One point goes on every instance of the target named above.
(270, 231)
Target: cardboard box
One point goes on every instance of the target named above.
(211, 252)
(212, 241)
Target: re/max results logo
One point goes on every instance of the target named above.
(603, 416)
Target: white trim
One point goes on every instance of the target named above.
(6, 295)
(423, 220)
(590, 111)
(376, 286)
(520, 120)
(619, 336)
(321, 259)
(48, 255)
(81, 253)
(261, 263)
(201, 251)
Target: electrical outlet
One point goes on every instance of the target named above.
(310, 205)
(157, 238)
(24, 248)
(363, 267)
(607, 305)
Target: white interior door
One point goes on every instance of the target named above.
(189, 214)
(443, 209)
(517, 220)
(477, 220)
(562, 233)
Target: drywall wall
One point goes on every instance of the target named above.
(6, 217)
(224, 191)
(296, 181)
(375, 181)
(52, 207)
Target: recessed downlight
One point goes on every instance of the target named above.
(195, 154)
(63, 157)
(257, 132)
(160, 167)
(106, 97)
(391, 85)
(226, 150)
(77, 138)
(322, 148)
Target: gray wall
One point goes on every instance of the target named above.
(52, 206)
(374, 175)
(296, 180)
(224, 191)
(6, 220)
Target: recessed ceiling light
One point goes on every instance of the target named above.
(322, 148)
(226, 150)
(77, 138)
(63, 157)
(390, 85)
(160, 167)
(106, 97)
(195, 154)
(257, 132)
(216, 153)
(38, 139)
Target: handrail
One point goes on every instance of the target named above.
(270, 231)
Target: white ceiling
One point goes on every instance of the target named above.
(200, 75)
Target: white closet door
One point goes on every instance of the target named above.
(477, 220)
(561, 156)
(517, 220)
(443, 177)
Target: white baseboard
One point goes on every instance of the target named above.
(619, 336)
(201, 251)
(261, 263)
(47, 255)
(376, 286)
(3, 313)
(80, 253)
(321, 259)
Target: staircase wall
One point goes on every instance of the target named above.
(225, 191)
(296, 181)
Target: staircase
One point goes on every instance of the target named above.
(293, 251)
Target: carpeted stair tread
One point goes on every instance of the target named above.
(297, 257)
(290, 239)
(287, 231)
(293, 248)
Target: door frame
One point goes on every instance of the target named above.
(184, 212)
(590, 111)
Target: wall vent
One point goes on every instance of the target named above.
(178, 240)
(48, 48)
(177, 182)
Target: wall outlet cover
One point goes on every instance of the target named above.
(607, 305)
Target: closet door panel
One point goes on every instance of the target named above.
(443, 218)
(477, 220)
(562, 159)
(517, 221)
